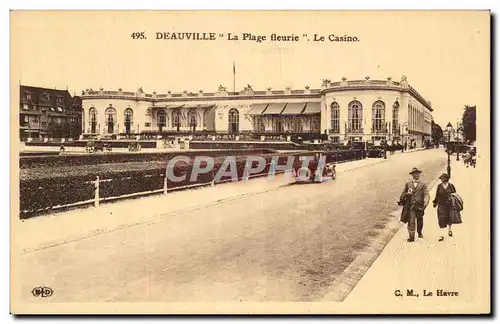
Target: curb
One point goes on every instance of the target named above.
(351, 276)
(159, 216)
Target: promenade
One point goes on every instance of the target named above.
(448, 276)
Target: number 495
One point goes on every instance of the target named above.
(138, 35)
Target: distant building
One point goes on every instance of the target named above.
(49, 113)
(358, 110)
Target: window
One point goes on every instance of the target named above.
(233, 121)
(297, 125)
(25, 107)
(162, 118)
(59, 109)
(60, 99)
(277, 125)
(148, 118)
(258, 124)
(35, 108)
(395, 117)
(355, 116)
(315, 124)
(335, 139)
(205, 117)
(28, 96)
(110, 113)
(335, 120)
(192, 120)
(23, 121)
(409, 116)
(176, 119)
(288, 123)
(378, 117)
(128, 114)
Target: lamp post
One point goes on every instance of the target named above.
(449, 128)
(458, 133)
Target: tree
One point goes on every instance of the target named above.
(436, 132)
(469, 123)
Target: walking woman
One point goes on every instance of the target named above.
(449, 205)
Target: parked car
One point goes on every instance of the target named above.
(134, 147)
(97, 146)
(312, 173)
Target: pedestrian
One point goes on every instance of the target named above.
(448, 203)
(414, 199)
(466, 158)
(406, 146)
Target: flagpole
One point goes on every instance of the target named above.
(234, 77)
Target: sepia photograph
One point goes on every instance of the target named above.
(250, 162)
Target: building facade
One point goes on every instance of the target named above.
(359, 110)
(49, 113)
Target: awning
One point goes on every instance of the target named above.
(174, 106)
(257, 109)
(274, 109)
(293, 108)
(312, 108)
(206, 106)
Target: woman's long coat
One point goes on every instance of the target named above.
(447, 215)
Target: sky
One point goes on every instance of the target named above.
(444, 54)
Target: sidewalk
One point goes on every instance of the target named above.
(458, 264)
(62, 227)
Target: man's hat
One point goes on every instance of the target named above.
(415, 170)
(444, 176)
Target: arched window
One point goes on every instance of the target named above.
(161, 119)
(129, 117)
(82, 113)
(93, 120)
(395, 117)
(355, 117)
(176, 119)
(192, 120)
(378, 116)
(110, 119)
(205, 117)
(409, 116)
(234, 121)
(335, 120)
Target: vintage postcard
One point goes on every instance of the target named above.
(250, 162)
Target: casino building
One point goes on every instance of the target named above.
(357, 110)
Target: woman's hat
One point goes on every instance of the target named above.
(415, 170)
(444, 176)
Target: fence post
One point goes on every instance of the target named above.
(212, 184)
(165, 182)
(96, 192)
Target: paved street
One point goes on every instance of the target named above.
(288, 244)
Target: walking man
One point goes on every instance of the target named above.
(414, 199)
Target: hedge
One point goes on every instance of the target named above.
(93, 159)
(45, 191)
